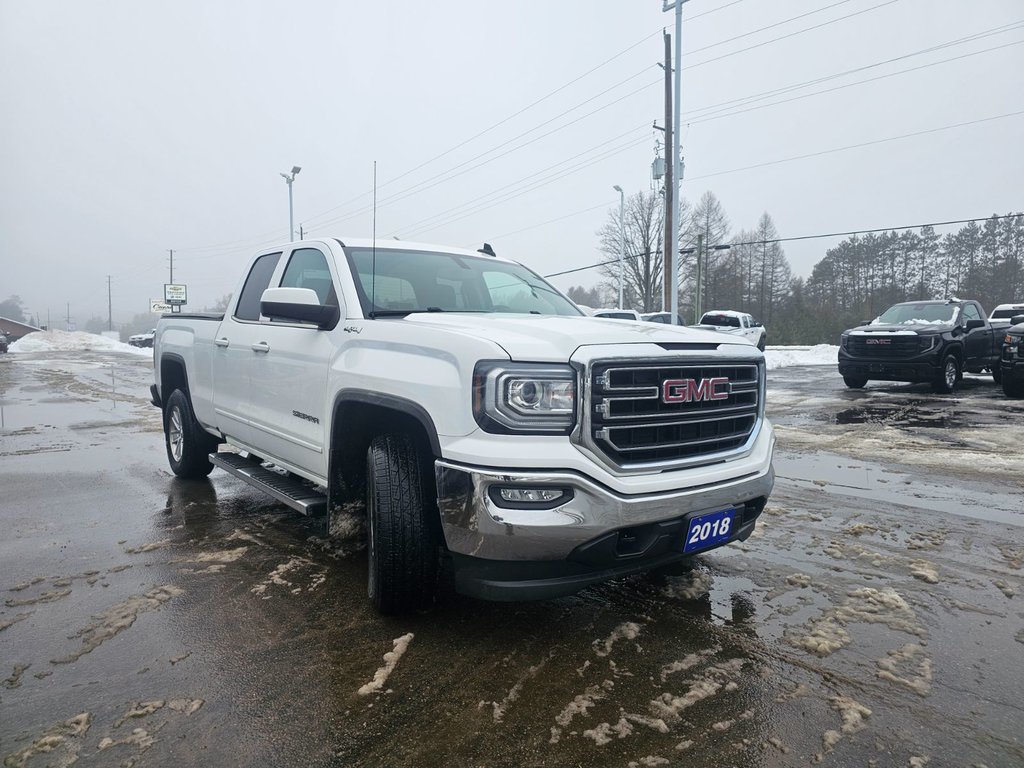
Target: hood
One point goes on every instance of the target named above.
(546, 338)
(902, 329)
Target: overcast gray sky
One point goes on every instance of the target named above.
(130, 128)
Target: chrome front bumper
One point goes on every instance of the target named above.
(476, 526)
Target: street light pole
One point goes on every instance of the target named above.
(677, 171)
(622, 236)
(289, 178)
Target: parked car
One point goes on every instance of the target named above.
(736, 323)
(496, 434)
(921, 341)
(142, 339)
(1012, 357)
(617, 314)
(4, 343)
(664, 318)
(1002, 315)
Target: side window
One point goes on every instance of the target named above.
(307, 268)
(255, 284)
(971, 312)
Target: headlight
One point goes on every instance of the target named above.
(524, 397)
(928, 342)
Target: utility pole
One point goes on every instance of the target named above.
(669, 249)
(171, 251)
(677, 171)
(110, 314)
(68, 326)
(700, 276)
(301, 233)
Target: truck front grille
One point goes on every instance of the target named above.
(632, 424)
(880, 346)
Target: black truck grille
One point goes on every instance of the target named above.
(716, 408)
(882, 346)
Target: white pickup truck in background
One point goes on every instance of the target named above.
(736, 323)
(492, 429)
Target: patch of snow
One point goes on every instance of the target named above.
(75, 341)
(401, 645)
(783, 357)
(625, 631)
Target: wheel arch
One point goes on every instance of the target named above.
(173, 375)
(357, 416)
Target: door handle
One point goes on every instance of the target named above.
(261, 346)
(222, 342)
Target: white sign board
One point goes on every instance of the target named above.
(175, 294)
(159, 306)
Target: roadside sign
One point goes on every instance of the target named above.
(159, 306)
(175, 294)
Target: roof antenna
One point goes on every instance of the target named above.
(486, 250)
(373, 249)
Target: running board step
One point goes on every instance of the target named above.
(295, 493)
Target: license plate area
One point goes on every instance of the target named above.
(710, 529)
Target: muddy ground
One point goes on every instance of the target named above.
(875, 617)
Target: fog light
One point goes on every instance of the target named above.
(529, 494)
(529, 498)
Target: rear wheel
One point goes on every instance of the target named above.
(188, 445)
(948, 376)
(855, 382)
(404, 548)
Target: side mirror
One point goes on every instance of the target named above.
(970, 325)
(1017, 320)
(298, 305)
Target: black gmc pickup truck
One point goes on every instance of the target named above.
(1013, 358)
(921, 341)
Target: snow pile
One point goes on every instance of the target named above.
(74, 341)
(783, 357)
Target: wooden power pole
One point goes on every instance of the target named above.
(669, 249)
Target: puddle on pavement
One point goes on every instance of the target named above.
(910, 413)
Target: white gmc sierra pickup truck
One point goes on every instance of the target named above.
(490, 426)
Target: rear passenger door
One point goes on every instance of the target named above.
(289, 411)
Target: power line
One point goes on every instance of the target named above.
(857, 146)
(744, 100)
(806, 237)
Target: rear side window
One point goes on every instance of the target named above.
(307, 268)
(255, 284)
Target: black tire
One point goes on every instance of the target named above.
(188, 445)
(403, 546)
(1013, 388)
(854, 382)
(763, 342)
(948, 376)
(997, 373)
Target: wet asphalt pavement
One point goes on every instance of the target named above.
(875, 617)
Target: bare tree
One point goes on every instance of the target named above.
(643, 267)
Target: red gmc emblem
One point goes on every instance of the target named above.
(691, 391)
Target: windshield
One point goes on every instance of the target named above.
(918, 314)
(423, 281)
(724, 321)
(1005, 314)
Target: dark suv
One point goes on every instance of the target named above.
(1012, 358)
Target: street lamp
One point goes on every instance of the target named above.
(701, 277)
(622, 236)
(289, 178)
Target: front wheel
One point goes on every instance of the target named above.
(404, 548)
(1013, 388)
(997, 373)
(948, 376)
(855, 382)
(188, 445)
